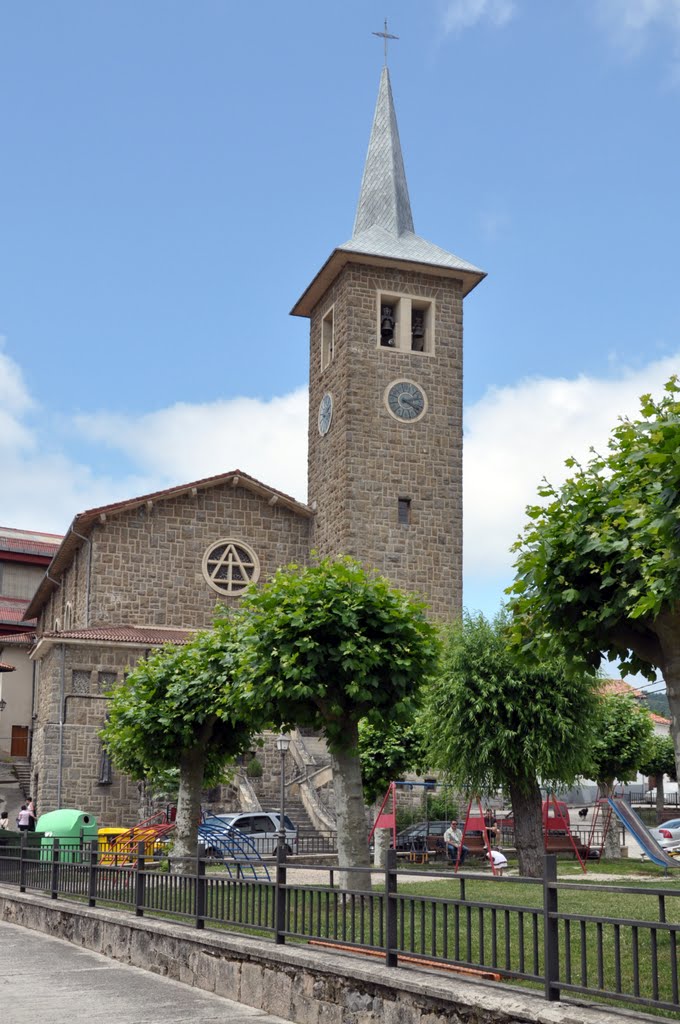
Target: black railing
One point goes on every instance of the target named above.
(317, 842)
(544, 940)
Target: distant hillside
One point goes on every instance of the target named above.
(658, 703)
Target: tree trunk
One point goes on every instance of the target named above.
(660, 797)
(612, 844)
(667, 629)
(191, 771)
(350, 812)
(527, 812)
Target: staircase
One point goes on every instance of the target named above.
(22, 770)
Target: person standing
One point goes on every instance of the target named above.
(4, 819)
(30, 806)
(24, 818)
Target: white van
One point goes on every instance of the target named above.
(261, 827)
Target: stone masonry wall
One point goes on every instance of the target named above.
(307, 986)
(368, 460)
(146, 564)
(88, 672)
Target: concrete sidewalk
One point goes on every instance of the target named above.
(48, 979)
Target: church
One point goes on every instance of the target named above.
(384, 475)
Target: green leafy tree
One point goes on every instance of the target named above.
(598, 566)
(622, 736)
(493, 721)
(386, 753)
(324, 647)
(659, 760)
(182, 708)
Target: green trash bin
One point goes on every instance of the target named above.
(74, 830)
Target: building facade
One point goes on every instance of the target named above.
(385, 486)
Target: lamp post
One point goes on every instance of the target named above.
(282, 745)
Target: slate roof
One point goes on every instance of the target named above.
(383, 230)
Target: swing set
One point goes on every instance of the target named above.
(480, 827)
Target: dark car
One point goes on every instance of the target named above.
(415, 836)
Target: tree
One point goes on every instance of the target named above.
(328, 645)
(623, 733)
(182, 708)
(659, 760)
(598, 566)
(494, 721)
(386, 753)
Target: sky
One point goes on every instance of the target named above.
(174, 174)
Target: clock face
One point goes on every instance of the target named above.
(405, 400)
(325, 413)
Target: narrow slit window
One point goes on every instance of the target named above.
(404, 511)
(327, 340)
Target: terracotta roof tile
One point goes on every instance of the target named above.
(6, 668)
(153, 636)
(621, 688)
(659, 719)
(16, 639)
(13, 609)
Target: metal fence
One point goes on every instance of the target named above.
(542, 940)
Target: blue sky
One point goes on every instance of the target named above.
(174, 174)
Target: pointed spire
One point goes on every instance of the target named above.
(384, 200)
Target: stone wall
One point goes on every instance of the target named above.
(145, 564)
(368, 460)
(72, 752)
(301, 985)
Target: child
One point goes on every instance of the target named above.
(4, 820)
(500, 861)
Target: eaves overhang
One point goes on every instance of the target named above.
(339, 258)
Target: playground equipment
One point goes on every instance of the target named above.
(234, 848)
(238, 853)
(643, 837)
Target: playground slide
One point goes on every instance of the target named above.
(636, 826)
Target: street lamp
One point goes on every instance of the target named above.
(282, 745)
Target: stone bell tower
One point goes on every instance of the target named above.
(386, 387)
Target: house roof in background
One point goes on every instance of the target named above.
(29, 542)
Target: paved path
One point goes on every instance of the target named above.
(48, 979)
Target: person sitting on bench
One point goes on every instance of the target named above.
(454, 842)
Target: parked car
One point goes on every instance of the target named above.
(667, 833)
(261, 828)
(415, 836)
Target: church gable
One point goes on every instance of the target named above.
(168, 559)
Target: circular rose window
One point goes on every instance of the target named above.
(229, 566)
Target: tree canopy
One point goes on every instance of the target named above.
(598, 565)
(326, 645)
(182, 707)
(493, 721)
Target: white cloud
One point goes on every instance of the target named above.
(515, 436)
(266, 439)
(630, 24)
(459, 15)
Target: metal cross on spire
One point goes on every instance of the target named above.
(385, 35)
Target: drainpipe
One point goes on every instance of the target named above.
(62, 709)
(89, 568)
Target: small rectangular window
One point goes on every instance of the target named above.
(327, 339)
(404, 512)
